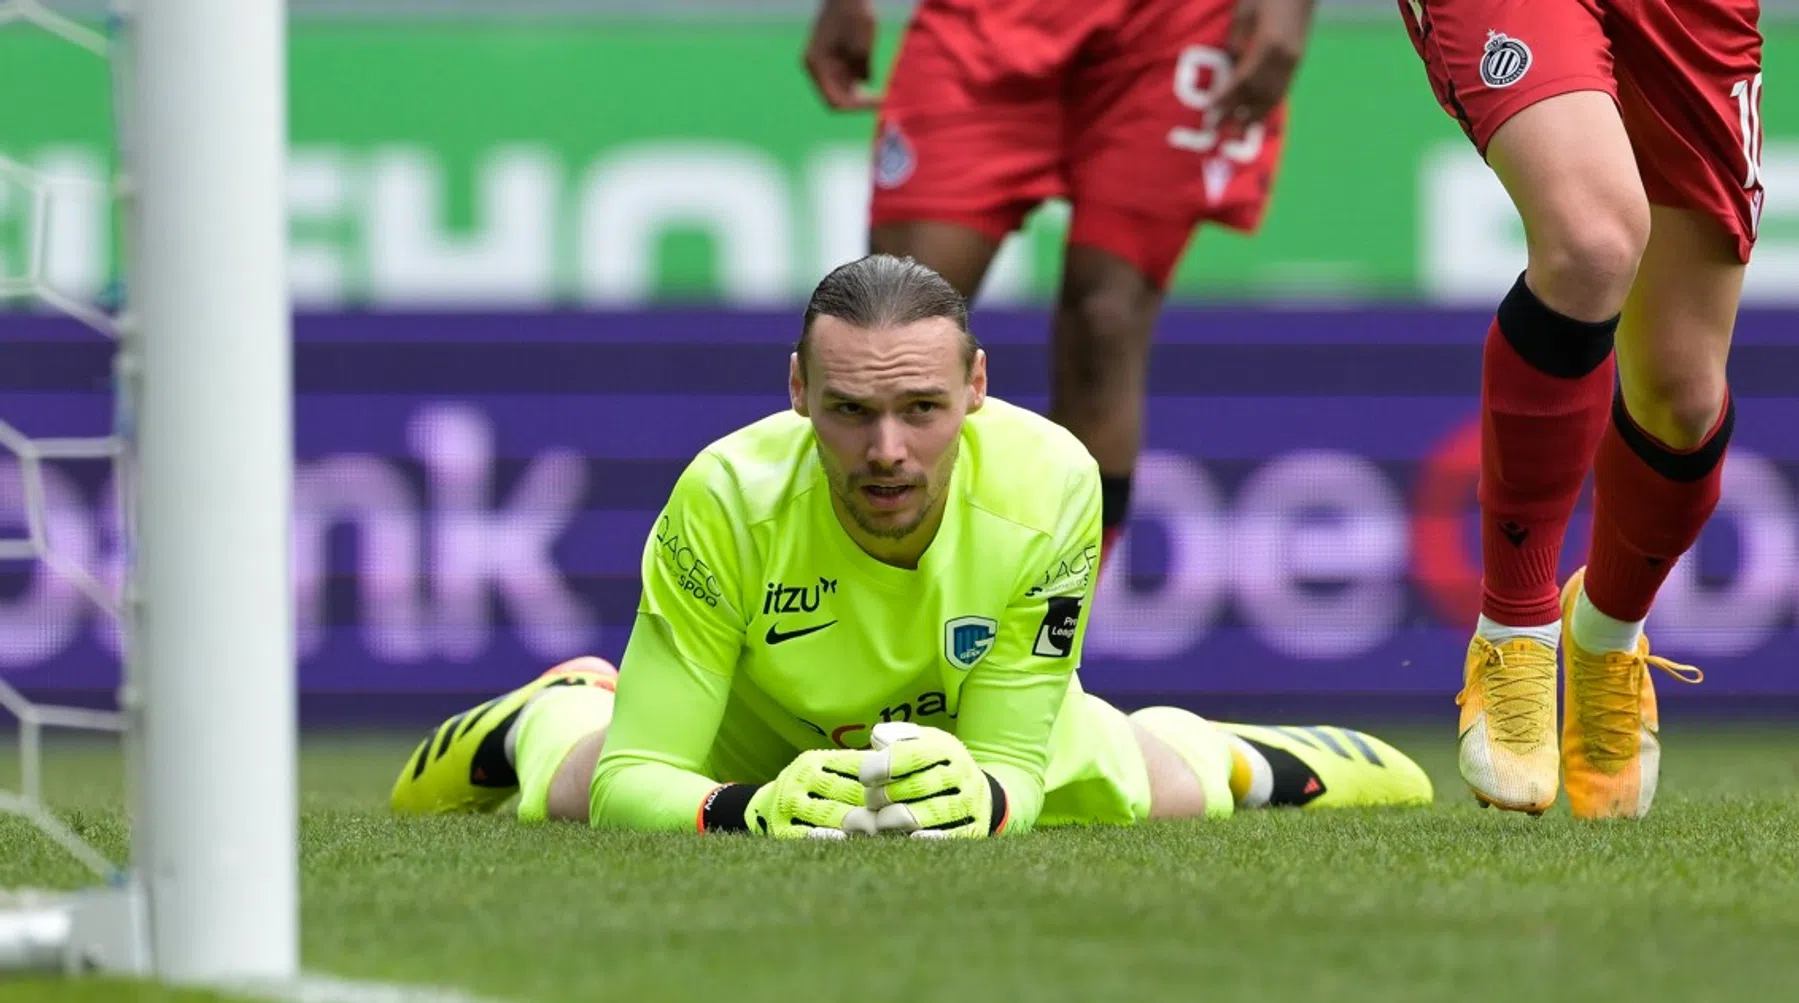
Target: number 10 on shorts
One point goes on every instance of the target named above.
(1201, 72)
(1749, 119)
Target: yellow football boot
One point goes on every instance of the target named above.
(1328, 767)
(462, 767)
(1611, 745)
(1507, 747)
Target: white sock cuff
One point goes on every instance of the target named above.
(1498, 633)
(1596, 632)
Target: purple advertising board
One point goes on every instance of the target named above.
(473, 493)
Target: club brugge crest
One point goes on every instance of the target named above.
(966, 639)
(893, 157)
(1505, 60)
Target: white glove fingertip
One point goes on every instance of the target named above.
(888, 732)
(931, 834)
(861, 822)
(824, 833)
(877, 767)
(896, 818)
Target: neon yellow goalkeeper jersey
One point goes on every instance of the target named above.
(764, 629)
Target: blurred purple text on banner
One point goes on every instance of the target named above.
(474, 490)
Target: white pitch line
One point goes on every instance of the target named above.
(328, 989)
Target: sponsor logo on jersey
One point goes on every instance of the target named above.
(967, 639)
(929, 704)
(780, 597)
(692, 575)
(1055, 636)
(776, 635)
(894, 159)
(1504, 61)
(1069, 574)
(783, 598)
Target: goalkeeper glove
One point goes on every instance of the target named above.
(924, 783)
(808, 799)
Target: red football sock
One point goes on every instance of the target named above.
(1650, 503)
(1546, 384)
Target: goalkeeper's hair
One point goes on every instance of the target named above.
(881, 291)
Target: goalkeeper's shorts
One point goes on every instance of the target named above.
(1096, 774)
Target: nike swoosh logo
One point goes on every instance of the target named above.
(775, 636)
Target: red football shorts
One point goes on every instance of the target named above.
(1686, 75)
(996, 105)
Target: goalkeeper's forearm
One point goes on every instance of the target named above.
(632, 792)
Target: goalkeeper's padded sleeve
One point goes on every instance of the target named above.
(1011, 700)
(675, 677)
(668, 709)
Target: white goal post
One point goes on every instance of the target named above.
(212, 620)
(204, 446)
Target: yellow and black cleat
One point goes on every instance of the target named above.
(1330, 767)
(462, 767)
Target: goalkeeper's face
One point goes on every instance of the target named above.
(887, 408)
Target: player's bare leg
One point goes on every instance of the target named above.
(1657, 479)
(1674, 337)
(571, 790)
(1175, 790)
(1567, 163)
(1105, 317)
(960, 254)
(1546, 392)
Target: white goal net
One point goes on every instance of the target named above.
(37, 929)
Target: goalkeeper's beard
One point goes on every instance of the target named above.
(848, 489)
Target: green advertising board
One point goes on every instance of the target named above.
(490, 165)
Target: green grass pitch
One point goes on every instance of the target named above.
(1450, 903)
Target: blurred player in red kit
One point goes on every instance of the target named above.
(1149, 116)
(1628, 133)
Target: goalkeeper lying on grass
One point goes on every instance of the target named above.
(898, 548)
